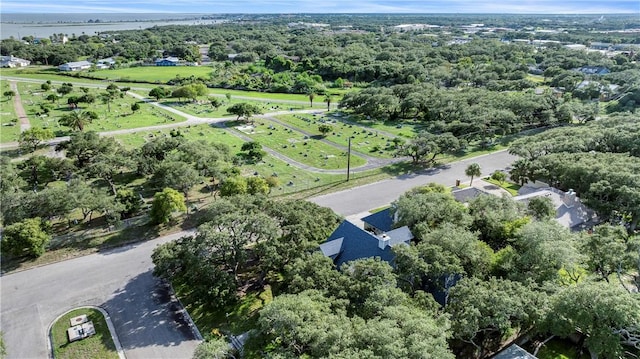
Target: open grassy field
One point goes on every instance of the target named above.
(291, 178)
(364, 140)
(402, 128)
(120, 115)
(297, 146)
(99, 346)
(154, 74)
(9, 126)
(52, 74)
(204, 109)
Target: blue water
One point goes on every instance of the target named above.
(45, 25)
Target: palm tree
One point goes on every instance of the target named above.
(76, 120)
(327, 99)
(311, 95)
(107, 97)
(473, 170)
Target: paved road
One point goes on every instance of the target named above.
(119, 281)
(361, 199)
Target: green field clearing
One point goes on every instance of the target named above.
(401, 128)
(99, 346)
(317, 101)
(53, 74)
(297, 146)
(364, 140)
(204, 108)
(153, 74)
(120, 116)
(195, 132)
(9, 126)
(292, 179)
(535, 78)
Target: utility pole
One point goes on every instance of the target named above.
(348, 159)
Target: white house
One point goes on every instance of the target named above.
(10, 61)
(75, 66)
(570, 212)
(105, 63)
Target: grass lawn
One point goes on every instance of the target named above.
(204, 108)
(154, 74)
(511, 187)
(10, 127)
(364, 140)
(292, 179)
(317, 101)
(49, 73)
(234, 319)
(97, 346)
(559, 349)
(402, 128)
(120, 116)
(297, 146)
(535, 78)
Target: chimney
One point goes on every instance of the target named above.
(383, 241)
(569, 198)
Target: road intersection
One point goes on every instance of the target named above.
(149, 323)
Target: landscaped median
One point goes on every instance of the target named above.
(102, 344)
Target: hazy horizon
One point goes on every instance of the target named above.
(533, 7)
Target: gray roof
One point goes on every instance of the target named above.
(77, 64)
(170, 59)
(332, 248)
(570, 212)
(464, 195)
(514, 351)
(399, 235)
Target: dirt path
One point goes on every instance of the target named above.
(17, 105)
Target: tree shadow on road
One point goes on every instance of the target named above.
(145, 314)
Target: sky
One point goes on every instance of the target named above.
(323, 6)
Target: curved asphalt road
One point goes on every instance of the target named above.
(121, 281)
(375, 195)
(148, 323)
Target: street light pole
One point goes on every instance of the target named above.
(349, 159)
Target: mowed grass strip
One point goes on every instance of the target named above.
(364, 140)
(154, 74)
(10, 126)
(98, 346)
(295, 145)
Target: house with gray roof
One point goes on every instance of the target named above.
(350, 242)
(75, 66)
(12, 61)
(593, 70)
(168, 61)
(465, 195)
(570, 212)
(514, 351)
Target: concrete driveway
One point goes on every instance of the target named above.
(120, 281)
